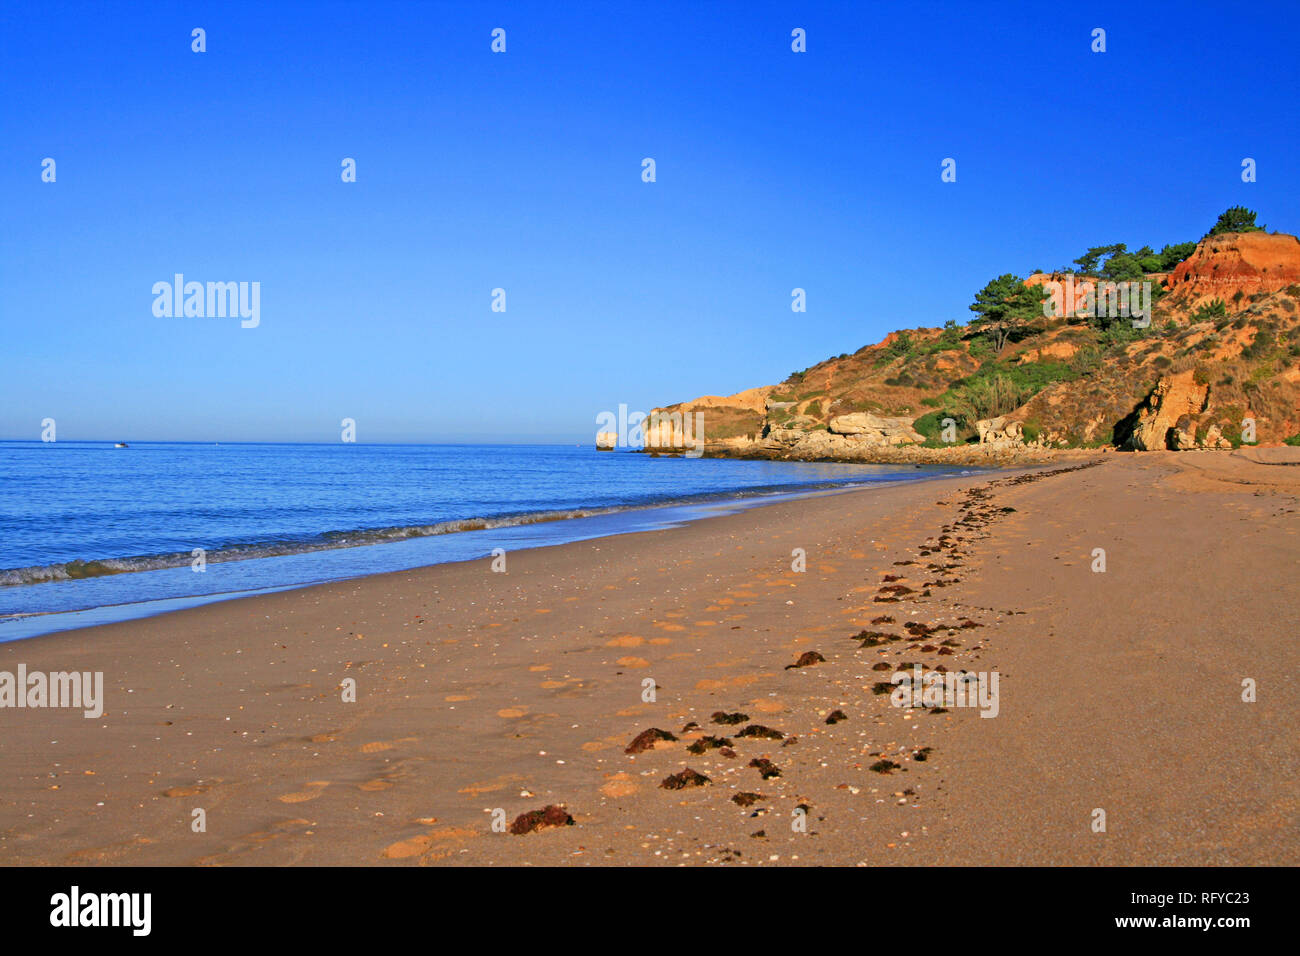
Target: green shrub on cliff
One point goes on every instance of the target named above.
(1214, 309)
(1005, 306)
(1000, 387)
(931, 426)
(1235, 219)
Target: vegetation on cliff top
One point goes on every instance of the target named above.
(1073, 380)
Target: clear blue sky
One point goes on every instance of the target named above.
(523, 171)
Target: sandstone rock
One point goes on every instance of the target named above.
(606, 441)
(822, 444)
(1232, 262)
(1174, 397)
(888, 431)
(673, 430)
(1000, 430)
(1214, 438)
(784, 436)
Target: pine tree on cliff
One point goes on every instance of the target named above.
(1236, 219)
(1005, 306)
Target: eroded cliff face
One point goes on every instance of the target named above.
(1166, 419)
(1233, 265)
(1197, 378)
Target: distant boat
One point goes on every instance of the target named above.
(121, 444)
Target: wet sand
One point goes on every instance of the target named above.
(481, 696)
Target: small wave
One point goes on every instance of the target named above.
(331, 540)
(102, 567)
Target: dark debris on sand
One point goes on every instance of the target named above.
(533, 820)
(683, 779)
(647, 739)
(875, 638)
(807, 659)
(705, 744)
(758, 730)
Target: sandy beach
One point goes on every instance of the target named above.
(481, 696)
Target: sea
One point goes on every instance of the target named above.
(91, 533)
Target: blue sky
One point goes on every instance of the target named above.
(522, 171)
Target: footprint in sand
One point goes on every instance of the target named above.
(249, 842)
(742, 680)
(109, 853)
(432, 845)
(625, 640)
(512, 712)
(184, 791)
(619, 785)
(490, 786)
(302, 796)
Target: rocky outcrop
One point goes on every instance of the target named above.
(874, 429)
(1245, 262)
(1078, 384)
(822, 445)
(606, 441)
(1167, 418)
(1001, 429)
(775, 434)
(1214, 438)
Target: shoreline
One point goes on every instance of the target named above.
(27, 625)
(480, 692)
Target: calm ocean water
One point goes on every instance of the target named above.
(89, 526)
